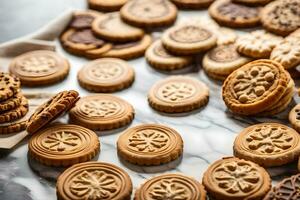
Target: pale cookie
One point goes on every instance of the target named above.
(15, 113)
(171, 186)
(102, 112)
(9, 86)
(158, 57)
(252, 2)
(63, 145)
(225, 36)
(257, 44)
(110, 27)
(178, 94)
(192, 4)
(11, 103)
(94, 181)
(83, 19)
(37, 68)
(294, 117)
(150, 144)
(296, 33)
(188, 39)
(106, 5)
(236, 179)
(106, 75)
(149, 14)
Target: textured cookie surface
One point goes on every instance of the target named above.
(16, 113)
(9, 85)
(83, 19)
(11, 103)
(150, 144)
(294, 117)
(106, 5)
(192, 4)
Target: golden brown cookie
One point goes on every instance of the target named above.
(171, 186)
(178, 94)
(150, 144)
(236, 179)
(106, 75)
(9, 86)
(192, 4)
(94, 180)
(83, 19)
(51, 110)
(16, 113)
(63, 145)
(11, 103)
(225, 36)
(268, 144)
(294, 117)
(106, 5)
(42, 67)
(102, 112)
(188, 39)
(252, 2)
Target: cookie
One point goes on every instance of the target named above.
(150, 144)
(268, 144)
(281, 17)
(158, 57)
(287, 189)
(83, 19)
(102, 112)
(15, 113)
(94, 180)
(234, 15)
(236, 179)
(192, 4)
(51, 110)
(178, 94)
(149, 14)
(171, 186)
(11, 103)
(37, 68)
(295, 33)
(294, 117)
(106, 6)
(106, 75)
(9, 86)
(188, 39)
(111, 28)
(225, 36)
(255, 87)
(252, 2)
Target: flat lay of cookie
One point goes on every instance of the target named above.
(151, 100)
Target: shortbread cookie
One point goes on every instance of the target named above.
(111, 28)
(51, 110)
(268, 144)
(281, 17)
(188, 39)
(11, 103)
(102, 112)
(171, 186)
(257, 44)
(149, 14)
(234, 15)
(37, 68)
(83, 19)
(94, 180)
(236, 179)
(106, 5)
(158, 57)
(192, 4)
(9, 86)
(106, 75)
(255, 87)
(225, 36)
(252, 2)
(294, 117)
(150, 144)
(15, 113)
(63, 145)
(178, 94)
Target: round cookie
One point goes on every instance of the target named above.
(106, 75)
(94, 180)
(83, 19)
(149, 14)
(106, 5)
(150, 144)
(294, 117)
(268, 144)
(281, 17)
(234, 15)
(192, 4)
(15, 113)
(63, 145)
(37, 68)
(158, 57)
(252, 2)
(236, 179)
(171, 186)
(102, 112)
(111, 28)
(188, 39)
(9, 86)
(178, 94)
(11, 103)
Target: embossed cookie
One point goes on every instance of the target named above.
(257, 44)
(192, 4)
(106, 75)
(178, 94)
(15, 113)
(111, 28)
(106, 5)
(158, 57)
(268, 144)
(252, 2)
(83, 19)
(149, 14)
(102, 112)
(174, 186)
(150, 144)
(11, 103)
(9, 85)
(63, 145)
(234, 15)
(38, 68)
(281, 17)
(236, 179)
(188, 39)
(294, 117)
(94, 180)
(51, 110)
